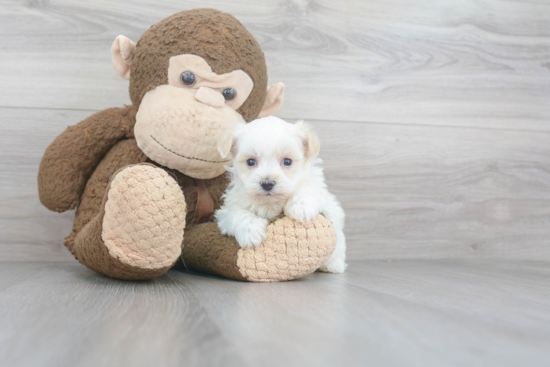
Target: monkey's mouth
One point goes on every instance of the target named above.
(184, 156)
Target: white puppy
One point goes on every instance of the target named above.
(276, 169)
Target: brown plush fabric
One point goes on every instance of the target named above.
(217, 37)
(81, 162)
(93, 253)
(72, 157)
(204, 209)
(124, 153)
(144, 217)
(206, 249)
(290, 251)
(88, 248)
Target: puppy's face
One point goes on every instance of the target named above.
(269, 169)
(271, 157)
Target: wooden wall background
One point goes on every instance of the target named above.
(433, 115)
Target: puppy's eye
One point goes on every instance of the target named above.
(251, 162)
(287, 161)
(188, 78)
(229, 94)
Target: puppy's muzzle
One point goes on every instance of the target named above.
(267, 185)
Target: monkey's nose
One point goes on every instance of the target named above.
(210, 97)
(267, 185)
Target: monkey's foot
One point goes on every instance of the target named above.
(144, 218)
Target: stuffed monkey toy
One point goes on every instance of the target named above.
(146, 178)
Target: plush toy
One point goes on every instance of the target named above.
(146, 178)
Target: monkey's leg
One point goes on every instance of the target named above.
(291, 250)
(139, 230)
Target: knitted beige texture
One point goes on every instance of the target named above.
(144, 217)
(291, 250)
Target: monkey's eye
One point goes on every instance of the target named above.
(287, 161)
(251, 162)
(229, 94)
(188, 78)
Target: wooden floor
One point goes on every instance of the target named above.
(434, 119)
(398, 313)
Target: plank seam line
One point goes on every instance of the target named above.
(320, 120)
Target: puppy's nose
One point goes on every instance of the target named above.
(267, 185)
(210, 97)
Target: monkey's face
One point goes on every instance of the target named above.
(179, 124)
(192, 76)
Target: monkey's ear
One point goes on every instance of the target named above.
(311, 141)
(225, 144)
(273, 99)
(123, 50)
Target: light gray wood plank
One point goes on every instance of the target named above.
(408, 191)
(27, 229)
(522, 287)
(480, 63)
(419, 313)
(425, 192)
(73, 316)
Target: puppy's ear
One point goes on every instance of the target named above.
(225, 144)
(229, 139)
(311, 141)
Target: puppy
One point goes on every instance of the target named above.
(275, 170)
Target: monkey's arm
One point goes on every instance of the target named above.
(72, 157)
(291, 250)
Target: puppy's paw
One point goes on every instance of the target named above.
(336, 265)
(302, 210)
(251, 234)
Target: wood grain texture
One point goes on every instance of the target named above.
(445, 192)
(410, 189)
(478, 63)
(27, 229)
(414, 313)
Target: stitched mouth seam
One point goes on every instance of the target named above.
(183, 156)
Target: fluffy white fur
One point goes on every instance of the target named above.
(299, 189)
